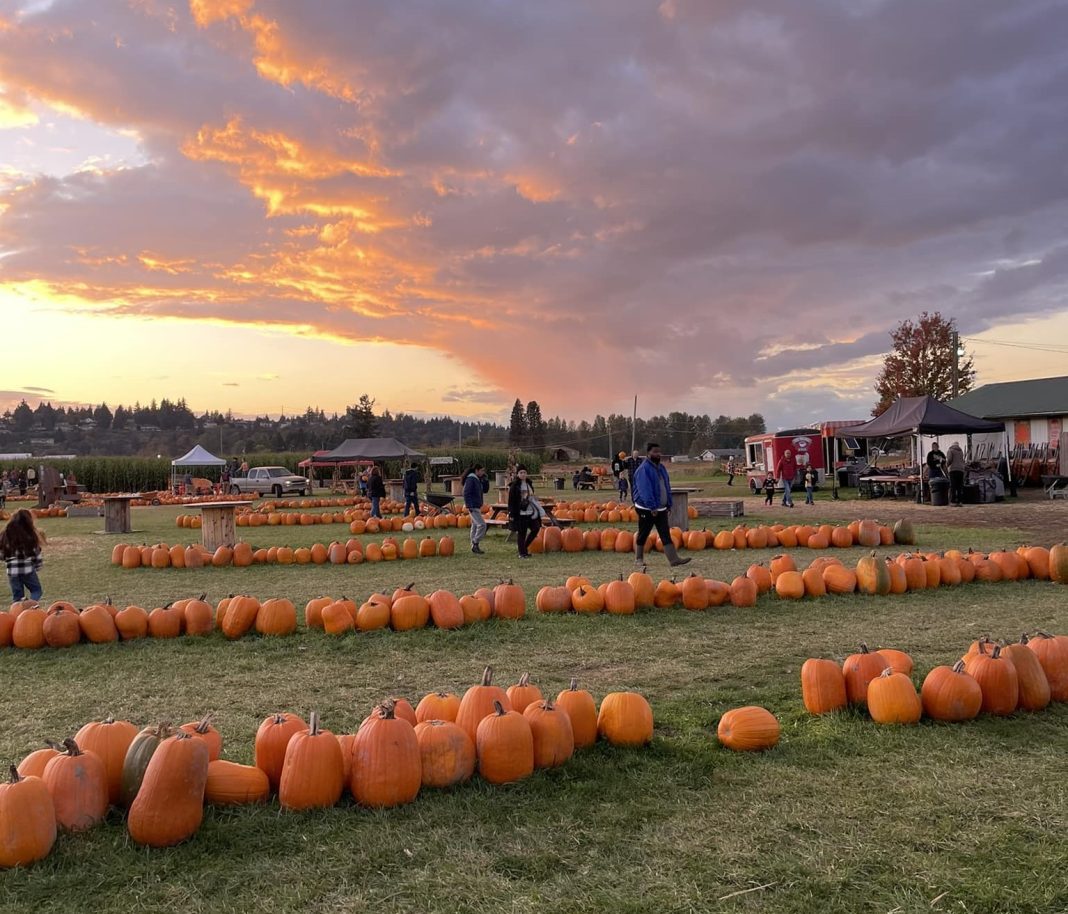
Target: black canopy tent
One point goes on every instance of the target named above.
(916, 416)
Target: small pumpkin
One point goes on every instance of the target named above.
(823, 687)
(580, 707)
(950, 694)
(231, 784)
(78, 782)
(892, 699)
(523, 693)
(438, 706)
(446, 753)
(859, 670)
(477, 703)
(142, 748)
(997, 679)
(204, 730)
(554, 739)
(110, 739)
(272, 738)
(313, 770)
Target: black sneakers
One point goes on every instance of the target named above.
(476, 550)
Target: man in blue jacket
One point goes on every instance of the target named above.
(652, 498)
(476, 485)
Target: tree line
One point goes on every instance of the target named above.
(171, 427)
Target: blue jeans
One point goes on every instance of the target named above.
(808, 495)
(376, 511)
(411, 499)
(22, 582)
(787, 485)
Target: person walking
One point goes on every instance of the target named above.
(730, 471)
(411, 488)
(786, 472)
(376, 489)
(23, 477)
(619, 470)
(476, 485)
(524, 511)
(810, 485)
(652, 499)
(20, 546)
(956, 466)
(936, 462)
(769, 489)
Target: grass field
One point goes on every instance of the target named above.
(842, 816)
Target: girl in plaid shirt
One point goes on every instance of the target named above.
(20, 545)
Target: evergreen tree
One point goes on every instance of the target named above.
(517, 428)
(360, 420)
(22, 417)
(102, 417)
(535, 426)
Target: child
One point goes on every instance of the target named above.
(20, 545)
(810, 485)
(769, 489)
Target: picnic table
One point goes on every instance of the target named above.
(117, 513)
(888, 486)
(453, 484)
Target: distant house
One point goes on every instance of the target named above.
(1034, 412)
(721, 453)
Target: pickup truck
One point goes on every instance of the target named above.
(277, 481)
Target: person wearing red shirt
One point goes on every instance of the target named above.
(786, 472)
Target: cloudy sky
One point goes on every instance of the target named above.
(722, 206)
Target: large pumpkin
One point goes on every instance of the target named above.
(823, 686)
(580, 707)
(1034, 686)
(625, 719)
(504, 744)
(169, 807)
(997, 678)
(892, 699)
(748, 729)
(872, 576)
(509, 601)
(78, 783)
(1058, 565)
(446, 753)
(27, 821)
(554, 739)
(859, 670)
(951, 694)
(477, 703)
(387, 767)
(110, 739)
(313, 770)
(1052, 653)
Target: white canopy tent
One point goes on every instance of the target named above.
(197, 457)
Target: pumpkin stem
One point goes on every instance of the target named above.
(864, 648)
(108, 720)
(387, 709)
(574, 684)
(498, 708)
(958, 667)
(313, 723)
(71, 746)
(181, 734)
(1024, 639)
(487, 676)
(204, 725)
(887, 672)
(996, 653)
(548, 705)
(524, 680)
(1041, 634)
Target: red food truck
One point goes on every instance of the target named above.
(814, 446)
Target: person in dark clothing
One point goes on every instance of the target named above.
(652, 500)
(411, 488)
(376, 489)
(769, 489)
(1005, 472)
(936, 463)
(476, 485)
(957, 467)
(524, 511)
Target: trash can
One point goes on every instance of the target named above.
(558, 483)
(939, 486)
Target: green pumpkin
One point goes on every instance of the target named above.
(138, 756)
(904, 535)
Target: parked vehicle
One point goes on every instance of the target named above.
(811, 447)
(277, 481)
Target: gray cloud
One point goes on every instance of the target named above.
(706, 201)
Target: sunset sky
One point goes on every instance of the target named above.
(720, 205)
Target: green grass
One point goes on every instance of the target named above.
(842, 816)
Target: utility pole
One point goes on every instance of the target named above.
(955, 343)
(634, 424)
(611, 453)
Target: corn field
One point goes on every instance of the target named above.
(146, 474)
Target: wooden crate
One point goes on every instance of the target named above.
(719, 507)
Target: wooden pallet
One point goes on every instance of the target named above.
(720, 507)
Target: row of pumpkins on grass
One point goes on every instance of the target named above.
(27, 625)
(244, 555)
(992, 678)
(163, 777)
(871, 575)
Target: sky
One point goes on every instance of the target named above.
(720, 206)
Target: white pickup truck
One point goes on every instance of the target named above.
(277, 481)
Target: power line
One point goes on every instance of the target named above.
(1034, 347)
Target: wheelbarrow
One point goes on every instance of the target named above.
(437, 502)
